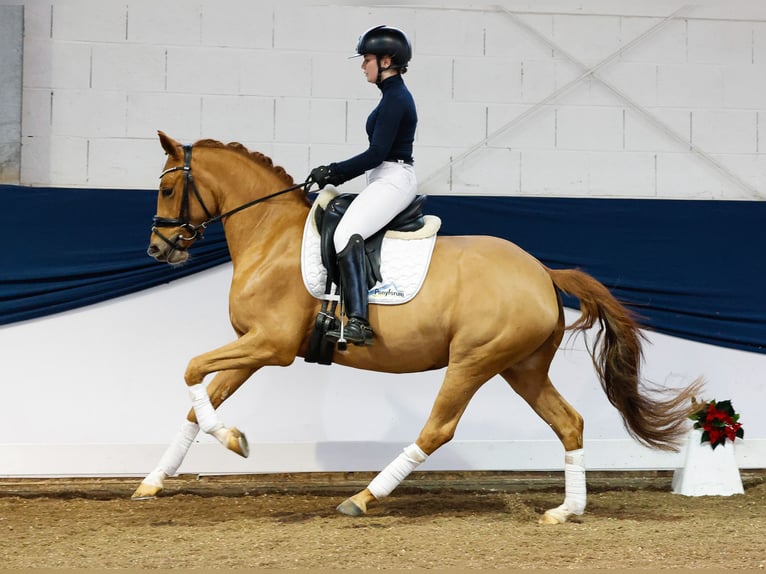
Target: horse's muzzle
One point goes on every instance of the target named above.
(165, 253)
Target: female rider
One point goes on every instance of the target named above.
(391, 183)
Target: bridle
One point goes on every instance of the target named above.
(184, 217)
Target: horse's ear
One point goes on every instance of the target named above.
(171, 146)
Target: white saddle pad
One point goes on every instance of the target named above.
(404, 259)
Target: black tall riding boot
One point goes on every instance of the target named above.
(353, 288)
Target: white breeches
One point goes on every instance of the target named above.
(391, 187)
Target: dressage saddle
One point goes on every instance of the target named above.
(327, 219)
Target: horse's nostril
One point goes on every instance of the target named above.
(153, 250)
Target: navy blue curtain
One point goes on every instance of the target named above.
(691, 269)
(75, 247)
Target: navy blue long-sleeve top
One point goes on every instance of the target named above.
(390, 131)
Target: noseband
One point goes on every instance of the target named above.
(184, 217)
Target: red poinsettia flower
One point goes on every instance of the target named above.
(718, 422)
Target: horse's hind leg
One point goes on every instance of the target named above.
(459, 386)
(221, 387)
(530, 380)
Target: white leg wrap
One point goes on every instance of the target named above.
(574, 481)
(574, 487)
(174, 455)
(203, 408)
(391, 476)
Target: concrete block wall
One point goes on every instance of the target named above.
(11, 27)
(686, 118)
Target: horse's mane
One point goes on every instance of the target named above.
(256, 156)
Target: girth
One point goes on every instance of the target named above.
(327, 219)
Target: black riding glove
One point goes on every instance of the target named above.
(323, 175)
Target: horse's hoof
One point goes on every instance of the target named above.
(553, 516)
(237, 442)
(146, 492)
(350, 508)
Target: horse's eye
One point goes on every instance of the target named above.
(167, 191)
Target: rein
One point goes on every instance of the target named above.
(184, 221)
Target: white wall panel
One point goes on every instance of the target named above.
(724, 131)
(49, 64)
(280, 74)
(124, 163)
(204, 70)
(637, 80)
(127, 67)
(580, 128)
(292, 119)
(607, 174)
(61, 159)
(430, 162)
(684, 176)
(505, 39)
(537, 130)
(452, 124)
(337, 76)
(538, 80)
(750, 167)
(468, 65)
(496, 169)
(238, 118)
(487, 80)
(170, 22)
(716, 42)
(690, 86)
(87, 113)
(36, 112)
(89, 21)
(744, 86)
(449, 32)
(178, 115)
(590, 39)
(665, 46)
(554, 173)
(238, 23)
(328, 121)
(645, 136)
(759, 43)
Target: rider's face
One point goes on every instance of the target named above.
(370, 67)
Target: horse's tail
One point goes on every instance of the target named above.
(650, 415)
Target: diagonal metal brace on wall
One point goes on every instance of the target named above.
(591, 72)
(553, 96)
(753, 192)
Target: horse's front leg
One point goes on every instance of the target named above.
(251, 351)
(222, 387)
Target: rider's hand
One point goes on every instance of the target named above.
(322, 175)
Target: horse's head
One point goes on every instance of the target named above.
(182, 214)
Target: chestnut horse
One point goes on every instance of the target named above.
(486, 308)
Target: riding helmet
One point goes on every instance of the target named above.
(386, 41)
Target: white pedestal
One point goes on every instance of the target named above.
(707, 472)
